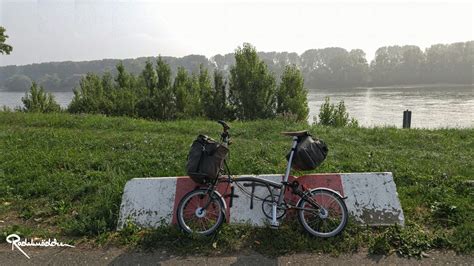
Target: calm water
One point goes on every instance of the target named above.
(13, 99)
(432, 107)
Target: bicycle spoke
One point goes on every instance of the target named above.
(327, 221)
(205, 222)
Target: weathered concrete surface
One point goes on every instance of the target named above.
(148, 201)
(371, 198)
(247, 210)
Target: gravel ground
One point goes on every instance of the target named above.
(119, 256)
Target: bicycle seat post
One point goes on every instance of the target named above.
(290, 160)
(288, 169)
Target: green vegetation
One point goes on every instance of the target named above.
(63, 175)
(4, 48)
(332, 67)
(39, 101)
(292, 96)
(252, 88)
(252, 92)
(336, 116)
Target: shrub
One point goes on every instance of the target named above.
(216, 106)
(336, 116)
(251, 86)
(89, 97)
(292, 95)
(39, 101)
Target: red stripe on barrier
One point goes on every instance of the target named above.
(184, 185)
(330, 181)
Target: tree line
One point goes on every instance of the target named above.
(321, 68)
(249, 92)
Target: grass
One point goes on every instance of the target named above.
(62, 175)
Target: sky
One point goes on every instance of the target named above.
(45, 31)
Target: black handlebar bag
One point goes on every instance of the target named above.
(309, 153)
(205, 159)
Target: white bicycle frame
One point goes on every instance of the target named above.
(284, 180)
(282, 185)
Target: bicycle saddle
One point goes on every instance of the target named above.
(296, 133)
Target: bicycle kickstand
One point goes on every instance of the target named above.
(274, 223)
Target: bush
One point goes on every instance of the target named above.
(292, 95)
(250, 94)
(39, 101)
(336, 116)
(252, 86)
(90, 96)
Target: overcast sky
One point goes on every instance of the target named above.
(44, 31)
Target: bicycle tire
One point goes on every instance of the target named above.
(216, 210)
(326, 199)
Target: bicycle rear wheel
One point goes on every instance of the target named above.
(201, 212)
(326, 221)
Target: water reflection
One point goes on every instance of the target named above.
(431, 107)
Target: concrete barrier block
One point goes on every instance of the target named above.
(249, 210)
(372, 198)
(148, 202)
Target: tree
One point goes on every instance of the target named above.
(180, 90)
(207, 101)
(411, 66)
(90, 97)
(334, 67)
(292, 96)
(125, 96)
(147, 106)
(252, 87)
(194, 106)
(123, 77)
(160, 104)
(150, 78)
(358, 72)
(38, 101)
(50, 82)
(165, 97)
(218, 106)
(4, 48)
(397, 65)
(18, 83)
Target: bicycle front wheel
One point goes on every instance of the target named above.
(201, 212)
(323, 213)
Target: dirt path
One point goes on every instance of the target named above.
(118, 256)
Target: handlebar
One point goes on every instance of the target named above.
(224, 125)
(225, 136)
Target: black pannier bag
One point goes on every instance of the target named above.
(309, 153)
(205, 159)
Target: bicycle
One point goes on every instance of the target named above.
(321, 211)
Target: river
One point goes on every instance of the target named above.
(444, 106)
